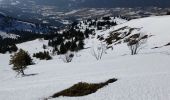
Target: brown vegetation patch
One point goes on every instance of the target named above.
(82, 89)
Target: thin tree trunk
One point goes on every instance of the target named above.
(22, 72)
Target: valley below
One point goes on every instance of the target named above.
(84, 50)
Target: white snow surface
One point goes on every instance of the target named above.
(145, 76)
(71, 12)
(5, 35)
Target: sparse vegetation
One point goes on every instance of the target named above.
(70, 40)
(135, 42)
(117, 35)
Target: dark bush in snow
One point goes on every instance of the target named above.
(82, 89)
(43, 55)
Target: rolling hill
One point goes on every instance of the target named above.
(144, 76)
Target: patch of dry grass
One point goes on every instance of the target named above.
(82, 89)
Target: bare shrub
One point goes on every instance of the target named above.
(68, 57)
(98, 51)
(136, 42)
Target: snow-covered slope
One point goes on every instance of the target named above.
(157, 26)
(101, 22)
(145, 76)
(5, 35)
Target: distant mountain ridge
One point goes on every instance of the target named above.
(95, 3)
(11, 27)
(106, 3)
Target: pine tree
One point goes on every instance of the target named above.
(63, 49)
(44, 46)
(168, 13)
(73, 47)
(20, 61)
(81, 45)
(13, 48)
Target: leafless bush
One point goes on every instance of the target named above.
(136, 42)
(68, 57)
(98, 51)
